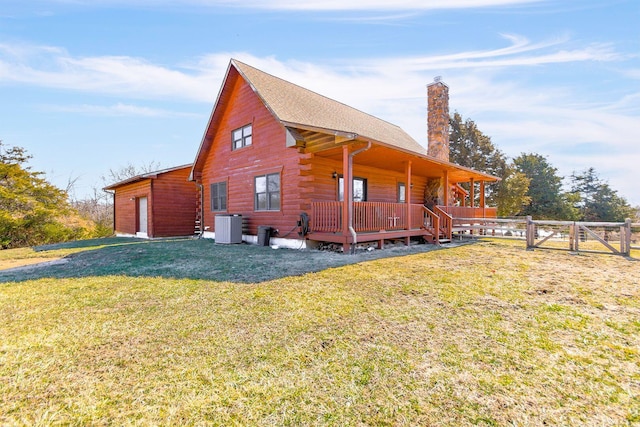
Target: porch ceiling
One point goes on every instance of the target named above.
(382, 157)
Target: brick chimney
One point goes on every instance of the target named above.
(438, 119)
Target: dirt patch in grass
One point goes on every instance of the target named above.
(46, 255)
(28, 263)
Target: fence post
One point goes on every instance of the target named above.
(572, 237)
(625, 238)
(531, 236)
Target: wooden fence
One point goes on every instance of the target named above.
(598, 237)
(580, 232)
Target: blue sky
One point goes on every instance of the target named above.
(92, 85)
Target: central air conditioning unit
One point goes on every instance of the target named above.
(228, 229)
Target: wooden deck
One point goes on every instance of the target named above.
(378, 221)
(470, 212)
(471, 219)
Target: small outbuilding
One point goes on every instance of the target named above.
(155, 204)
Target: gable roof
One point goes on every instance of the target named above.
(146, 175)
(296, 106)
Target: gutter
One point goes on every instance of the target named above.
(350, 197)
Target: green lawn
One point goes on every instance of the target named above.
(182, 259)
(479, 334)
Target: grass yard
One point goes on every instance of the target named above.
(190, 333)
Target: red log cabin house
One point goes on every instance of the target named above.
(316, 170)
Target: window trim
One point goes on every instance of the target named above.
(243, 138)
(218, 198)
(365, 191)
(267, 193)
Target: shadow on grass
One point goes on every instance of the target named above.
(193, 259)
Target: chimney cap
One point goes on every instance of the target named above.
(437, 81)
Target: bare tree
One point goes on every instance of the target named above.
(129, 171)
(98, 206)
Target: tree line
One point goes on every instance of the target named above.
(530, 185)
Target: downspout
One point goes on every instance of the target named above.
(201, 187)
(350, 196)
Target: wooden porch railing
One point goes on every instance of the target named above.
(420, 217)
(376, 216)
(372, 217)
(446, 222)
(470, 212)
(326, 217)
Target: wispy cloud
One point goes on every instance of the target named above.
(318, 5)
(520, 52)
(117, 110)
(375, 4)
(53, 67)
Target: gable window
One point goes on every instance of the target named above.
(267, 192)
(241, 137)
(359, 189)
(402, 192)
(219, 196)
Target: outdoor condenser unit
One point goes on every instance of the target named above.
(228, 229)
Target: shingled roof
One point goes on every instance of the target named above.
(296, 106)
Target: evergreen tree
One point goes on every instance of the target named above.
(511, 196)
(546, 198)
(596, 200)
(32, 211)
(469, 147)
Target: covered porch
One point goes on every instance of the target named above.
(384, 212)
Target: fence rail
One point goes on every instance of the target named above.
(579, 232)
(600, 237)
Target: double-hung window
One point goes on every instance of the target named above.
(267, 192)
(219, 196)
(241, 137)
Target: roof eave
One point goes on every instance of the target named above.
(146, 175)
(211, 117)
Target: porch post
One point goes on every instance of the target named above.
(347, 193)
(407, 193)
(482, 203)
(472, 193)
(447, 190)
